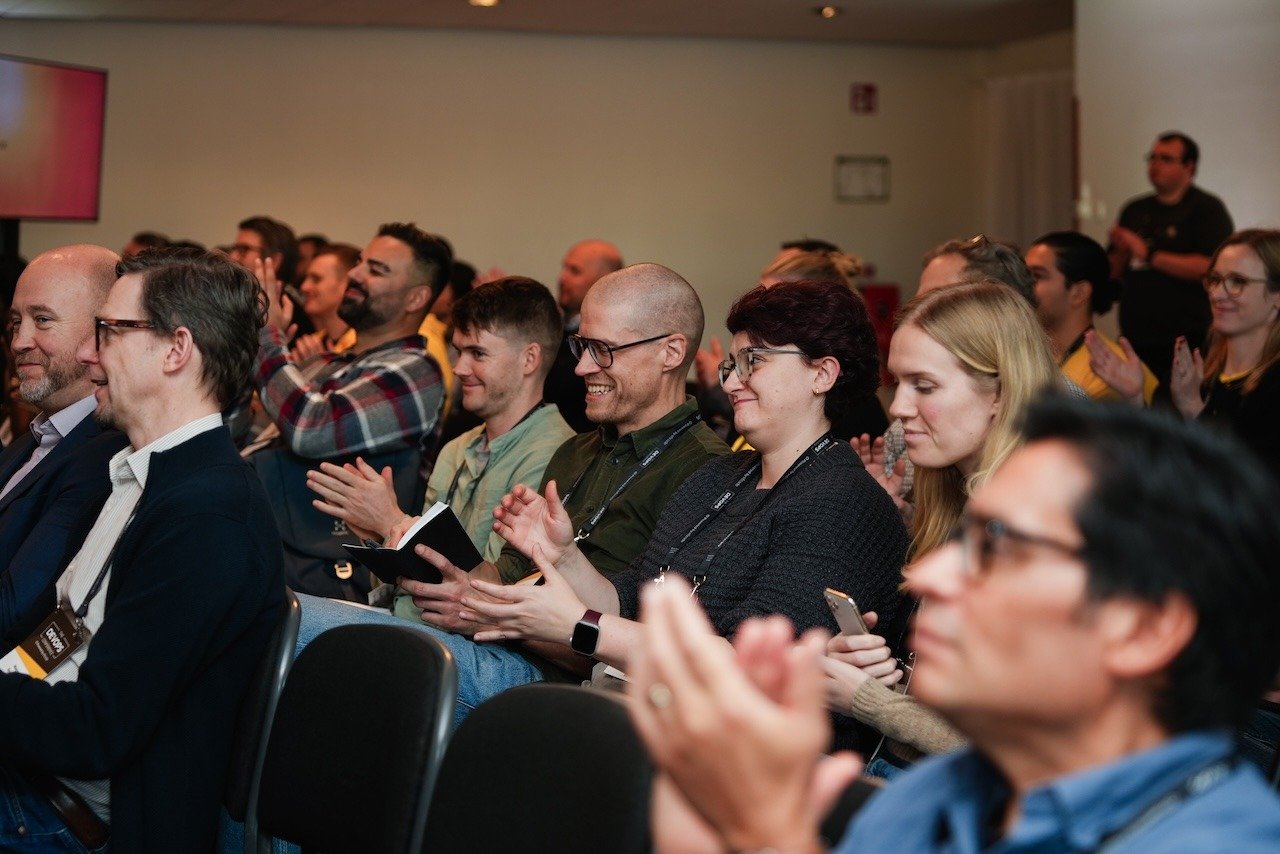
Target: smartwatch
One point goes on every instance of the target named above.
(586, 634)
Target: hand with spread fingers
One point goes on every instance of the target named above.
(279, 306)
(526, 520)
(530, 612)
(359, 495)
(739, 730)
(1121, 371)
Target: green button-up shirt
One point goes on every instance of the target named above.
(607, 458)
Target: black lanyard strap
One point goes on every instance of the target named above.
(1200, 781)
(96, 587)
(475, 484)
(822, 443)
(636, 470)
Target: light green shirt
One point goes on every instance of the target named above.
(471, 476)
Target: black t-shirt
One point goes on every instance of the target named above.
(1253, 417)
(1156, 307)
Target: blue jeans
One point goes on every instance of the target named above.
(484, 669)
(28, 822)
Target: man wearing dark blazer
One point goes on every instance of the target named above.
(172, 598)
(53, 479)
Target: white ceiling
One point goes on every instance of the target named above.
(902, 22)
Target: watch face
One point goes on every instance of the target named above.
(585, 637)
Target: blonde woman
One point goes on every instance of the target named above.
(968, 360)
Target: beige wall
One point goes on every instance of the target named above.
(700, 154)
(1211, 70)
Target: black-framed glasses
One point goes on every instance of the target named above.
(101, 323)
(1232, 283)
(744, 361)
(981, 539)
(602, 353)
(245, 249)
(1162, 158)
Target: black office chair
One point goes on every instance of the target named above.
(253, 726)
(851, 800)
(357, 740)
(543, 768)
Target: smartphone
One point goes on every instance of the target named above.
(846, 612)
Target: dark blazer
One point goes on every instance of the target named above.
(45, 517)
(196, 590)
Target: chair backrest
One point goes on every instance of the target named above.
(315, 561)
(357, 740)
(847, 805)
(249, 744)
(569, 771)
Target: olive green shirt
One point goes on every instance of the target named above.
(607, 458)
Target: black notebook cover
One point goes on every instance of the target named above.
(439, 530)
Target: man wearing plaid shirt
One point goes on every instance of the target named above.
(385, 392)
(376, 400)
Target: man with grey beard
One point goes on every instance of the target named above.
(53, 480)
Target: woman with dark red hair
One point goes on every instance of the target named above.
(757, 532)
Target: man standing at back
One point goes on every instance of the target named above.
(582, 266)
(168, 606)
(54, 477)
(1160, 248)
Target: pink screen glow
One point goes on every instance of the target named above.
(51, 119)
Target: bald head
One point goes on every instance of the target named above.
(651, 299)
(51, 316)
(581, 267)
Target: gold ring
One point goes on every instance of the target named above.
(659, 695)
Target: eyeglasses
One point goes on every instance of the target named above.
(602, 353)
(745, 360)
(101, 323)
(1232, 283)
(981, 538)
(243, 249)
(1163, 158)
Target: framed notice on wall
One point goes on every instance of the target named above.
(862, 179)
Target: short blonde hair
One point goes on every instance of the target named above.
(993, 333)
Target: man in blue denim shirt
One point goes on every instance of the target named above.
(1103, 622)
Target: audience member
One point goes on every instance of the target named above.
(172, 599)
(142, 241)
(308, 246)
(1160, 248)
(506, 333)
(968, 359)
(381, 397)
(1238, 384)
(1083, 632)
(263, 239)
(462, 278)
(54, 478)
(1073, 283)
(973, 260)
(322, 289)
(583, 265)
(617, 478)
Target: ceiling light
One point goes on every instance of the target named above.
(485, 3)
(827, 12)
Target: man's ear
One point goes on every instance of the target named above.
(673, 351)
(531, 358)
(418, 298)
(1080, 292)
(1141, 638)
(181, 351)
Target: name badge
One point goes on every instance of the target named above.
(47, 647)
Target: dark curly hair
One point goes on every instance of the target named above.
(217, 299)
(819, 319)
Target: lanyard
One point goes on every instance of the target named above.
(821, 444)
(453, 485)
(96, 588)
(1202, 780)
(636, 470)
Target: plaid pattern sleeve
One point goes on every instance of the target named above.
(383, 400)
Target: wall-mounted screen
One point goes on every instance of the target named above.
(51, 121)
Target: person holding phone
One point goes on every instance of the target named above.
(968, 359)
